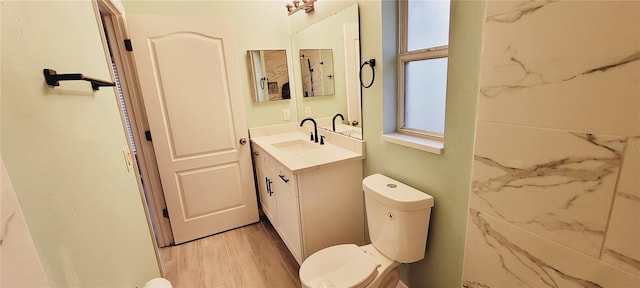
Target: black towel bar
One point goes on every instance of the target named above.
(53, 78)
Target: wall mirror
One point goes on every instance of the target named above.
(269, 75)
(338, 33)
(316, 68)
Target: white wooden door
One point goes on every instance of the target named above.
(189, 78)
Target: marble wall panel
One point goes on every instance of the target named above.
(570, 65)
(554, 183)
(277, 72)
(555, 197)
(622, 245)
(502, 255)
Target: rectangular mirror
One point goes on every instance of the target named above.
(338, 33)
(316, 67)
(269, 75)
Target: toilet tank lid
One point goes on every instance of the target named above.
(396, 194)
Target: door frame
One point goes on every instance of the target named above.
(112, 16)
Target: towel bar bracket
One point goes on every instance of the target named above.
(52, 78)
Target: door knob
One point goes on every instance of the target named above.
(243, 141)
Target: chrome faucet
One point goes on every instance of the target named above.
(333, 121)
(314, 136)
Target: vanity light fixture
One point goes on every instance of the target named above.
(295, 6)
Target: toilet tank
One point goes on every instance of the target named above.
(398, 217)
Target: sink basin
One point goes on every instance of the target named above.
(297, 145)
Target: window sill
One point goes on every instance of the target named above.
(427, 145)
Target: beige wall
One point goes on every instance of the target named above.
(20, 265)
(555, 195)
(63, 150)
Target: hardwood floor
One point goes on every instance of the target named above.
(249, 256)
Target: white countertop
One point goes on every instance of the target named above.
(302, 153)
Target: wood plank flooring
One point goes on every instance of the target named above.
(249, 256)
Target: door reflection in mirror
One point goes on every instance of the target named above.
(269, 75)
(316, 66)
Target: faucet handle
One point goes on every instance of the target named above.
(321, 140)
(311, 136)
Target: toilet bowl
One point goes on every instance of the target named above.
(348, 265)
(398, 220)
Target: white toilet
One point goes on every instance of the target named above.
(398, 221)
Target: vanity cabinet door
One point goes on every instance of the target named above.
(288, 214)
(265, 179)
(279, 198)
(267, 198)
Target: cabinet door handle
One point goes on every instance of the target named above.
(284, 178)
(271, 188)
(268, 182)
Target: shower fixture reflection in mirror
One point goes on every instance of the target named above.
(316, 67)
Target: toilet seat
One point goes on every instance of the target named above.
(344, 266)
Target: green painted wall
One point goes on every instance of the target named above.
(446, 177)
(63, 150)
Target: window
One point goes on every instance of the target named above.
(422, 67)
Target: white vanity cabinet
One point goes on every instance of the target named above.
(311, 208)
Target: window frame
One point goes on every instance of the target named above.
(405, 57)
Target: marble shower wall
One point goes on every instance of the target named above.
(278, 74)
(555, 196)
